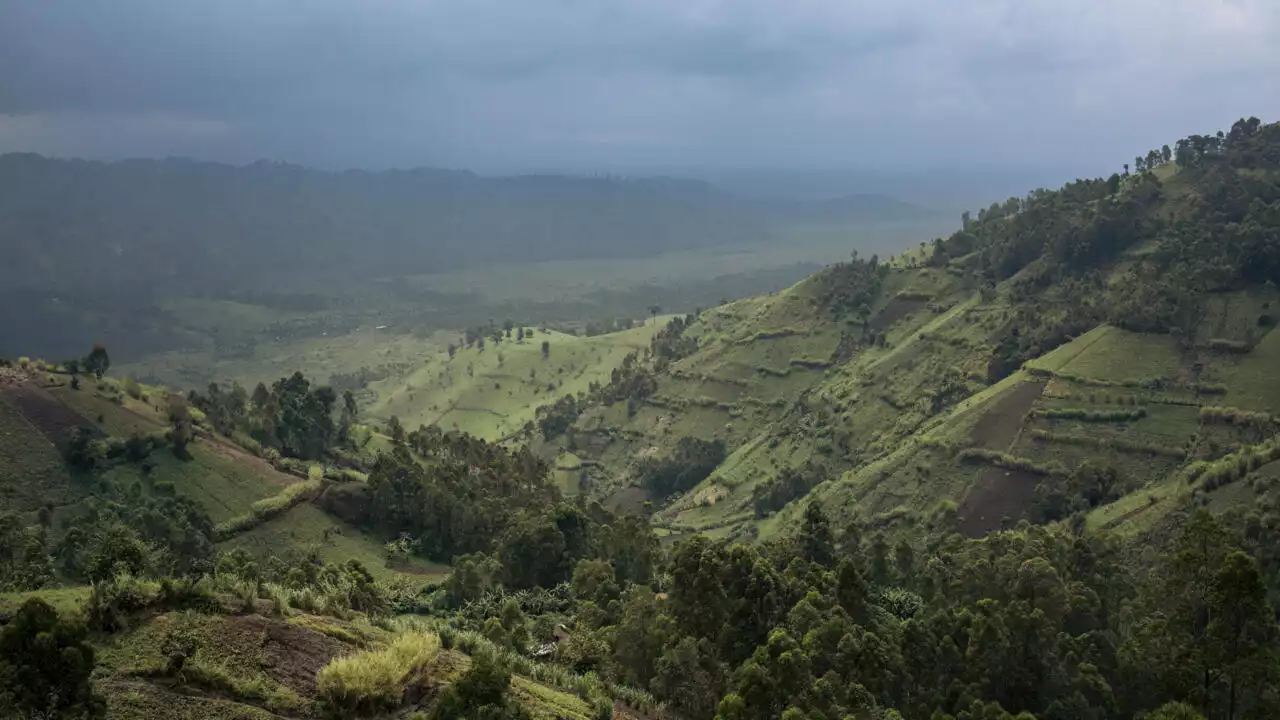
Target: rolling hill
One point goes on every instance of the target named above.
(1099, 349)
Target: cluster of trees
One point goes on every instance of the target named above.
(792, 483)
(1040, 623)
(671, 343)
(689, 463)
(450, 493)
(849, 288)
(293, 416)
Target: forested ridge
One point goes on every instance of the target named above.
(837, 612)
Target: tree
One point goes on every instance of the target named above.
(481, 693)
(45, 666)
(395, 430)
(816, 542)
(653, 312)
(180, 429)
(97, 361)
(453, 350)
(1165, 153)
(546, 349)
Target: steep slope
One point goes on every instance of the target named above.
(1071, 351)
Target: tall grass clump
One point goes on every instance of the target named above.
(373, 681)
(1008, 462)
(1235, 466)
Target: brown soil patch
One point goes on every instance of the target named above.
(1000, 425)
(53, 418)
(999, 493)
(288, 653)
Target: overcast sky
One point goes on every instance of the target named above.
(604, 84)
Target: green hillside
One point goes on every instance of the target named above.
(492, 391)
(1095, 324)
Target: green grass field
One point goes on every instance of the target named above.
(493, 392)
(306, 527)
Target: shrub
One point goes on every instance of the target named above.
(1113, 443)
(1008, 462)
(1214, 415)
(1087, 415)
(375, 680)
(131, 388)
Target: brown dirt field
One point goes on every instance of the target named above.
(53, 418)
(1000, 425)
(997, 494)
(292, 655)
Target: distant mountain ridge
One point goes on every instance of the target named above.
(74, 224)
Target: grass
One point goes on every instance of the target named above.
(306, 527)
(371, 680)
(65, 599)
(1118, 444)
(269, 507)
(224, 487)
(495, 391)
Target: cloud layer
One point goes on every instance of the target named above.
(511, 84)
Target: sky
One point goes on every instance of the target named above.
(598, 85)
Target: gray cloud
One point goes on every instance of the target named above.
(607, 83)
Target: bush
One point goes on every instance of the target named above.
(1112, 443)
(1087, 415)
(1008, 462)
(45, 666)
(374, 680)
(1212, 415)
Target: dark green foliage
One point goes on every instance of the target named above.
(689, 464)
(455, 498)
(292, 416)
(631, 382)
(480, 694)
(790, 484)
(45, 665)
(670, 343)
(553, 420)
(97, 361)
(25, 563)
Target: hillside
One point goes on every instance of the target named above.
(493, 391)
(1089, 349)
